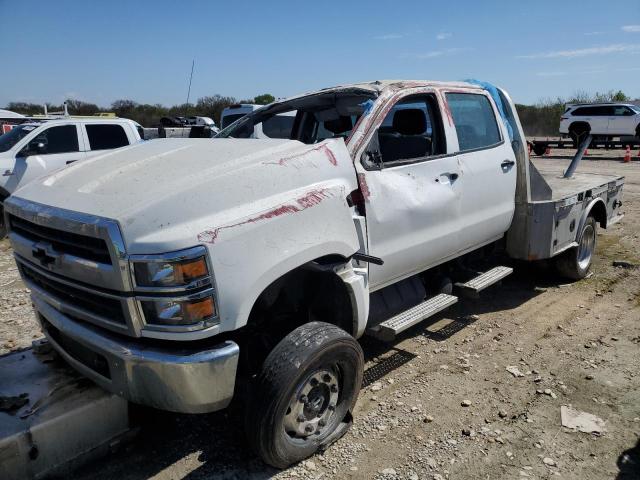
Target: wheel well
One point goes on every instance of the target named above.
(311, 292)
(599, 213)
(575, 125)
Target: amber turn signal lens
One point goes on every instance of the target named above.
(205, 308)
(192, 270)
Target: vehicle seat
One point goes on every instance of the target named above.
(407, 138)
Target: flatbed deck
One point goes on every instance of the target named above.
(562, 188)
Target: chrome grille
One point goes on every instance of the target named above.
(94, 303)
(81, 246)
(73, 245)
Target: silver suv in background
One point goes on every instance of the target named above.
(600, 119)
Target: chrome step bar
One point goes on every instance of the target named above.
(474, 286)
(388, 329)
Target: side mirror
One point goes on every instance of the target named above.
(33, 148)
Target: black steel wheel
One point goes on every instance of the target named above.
(303, 395)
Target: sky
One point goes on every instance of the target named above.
(101, 51)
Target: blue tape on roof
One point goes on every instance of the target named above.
(368, 105)
(493, 91)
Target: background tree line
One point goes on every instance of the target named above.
(541, 119)
(145, 114)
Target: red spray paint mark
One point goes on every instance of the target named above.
(308, 200)
(445, 106)
(320, 148)
(364, 187)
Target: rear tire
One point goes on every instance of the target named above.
(539, 149)
(575, 262)
(303, 395)
(577, 134)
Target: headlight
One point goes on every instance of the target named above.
(179, 269)
(180, 312)
(175, 290)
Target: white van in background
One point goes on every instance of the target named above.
(279, 126)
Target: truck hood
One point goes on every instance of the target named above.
(165, 192)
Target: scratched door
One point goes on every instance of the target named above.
(412, 189)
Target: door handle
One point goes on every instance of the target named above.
(448, 177)
(507, 164)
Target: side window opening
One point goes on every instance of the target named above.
(60, 139)
(106, 137)
(412, 130)
(621, 111)
(475, 121)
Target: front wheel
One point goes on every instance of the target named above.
(575, 262)
(303, 395)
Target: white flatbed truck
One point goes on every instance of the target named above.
(187, 273)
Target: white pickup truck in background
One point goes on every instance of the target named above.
(184, 273)
(31, 150)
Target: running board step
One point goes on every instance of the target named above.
(474, 286)
(388, 329)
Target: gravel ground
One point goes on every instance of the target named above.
(439, 402)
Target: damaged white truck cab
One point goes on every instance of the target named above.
(182, 273)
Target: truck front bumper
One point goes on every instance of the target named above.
(176, 378)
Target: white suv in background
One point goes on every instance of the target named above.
(600, 119)
(31, 150)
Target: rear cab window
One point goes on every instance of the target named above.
(106, 136)
(475, 121)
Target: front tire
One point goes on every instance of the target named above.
(575, 262)
(303, 395)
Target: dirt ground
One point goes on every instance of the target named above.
(439, 402)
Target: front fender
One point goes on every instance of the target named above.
(250, 254)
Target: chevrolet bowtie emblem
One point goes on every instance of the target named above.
(43, 252)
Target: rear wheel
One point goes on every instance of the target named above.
(539, 148)
(577, 133)
(303, 395)
(575, 262)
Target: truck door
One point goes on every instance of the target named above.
(53, 148)
(412, 188)
(621, 120)
(488, 167)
